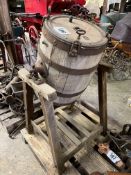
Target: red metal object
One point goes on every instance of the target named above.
(42, 6)
(33, 24)
(36, 6)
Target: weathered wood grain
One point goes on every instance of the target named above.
(64, 82)
(47, 91)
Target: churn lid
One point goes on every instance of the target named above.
(69, 29)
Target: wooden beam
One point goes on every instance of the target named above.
(44, 89)
(3, 56)
(104, 10)
(69, 134)
(102, 94)
(48, 111)
(73, 122)
(42, 152)
(6, 30)
(89, 113)
(86, 140)
(5, 18)
(106, 67)
(28, 103)
(90, 107)
(122, 6)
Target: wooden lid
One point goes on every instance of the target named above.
(64, 28)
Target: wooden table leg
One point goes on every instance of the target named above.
(28, 103)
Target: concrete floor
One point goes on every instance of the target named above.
(17, 159)
(118, 93)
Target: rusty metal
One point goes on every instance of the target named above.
(120, 61)
(15, 105)
(76, 45)
(74, 49)
(17, 129)
(82, 12)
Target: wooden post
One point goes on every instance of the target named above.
(48, 111)
(122, 6)
(47, 95)
(104, 10)
(6, 29)
(28, 101)
(3, 56)
(102, 93)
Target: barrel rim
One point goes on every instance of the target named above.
(55, 37)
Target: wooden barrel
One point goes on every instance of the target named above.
(71, 48)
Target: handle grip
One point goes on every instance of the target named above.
(80, 32)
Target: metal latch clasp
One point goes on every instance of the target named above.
(76, 45)
(74, 49)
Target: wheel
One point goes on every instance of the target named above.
(34, 36)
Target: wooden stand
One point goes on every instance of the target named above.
(64, 131)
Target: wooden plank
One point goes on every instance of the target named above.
(28, 102)
(89, 113)
(38, 130)
(92, 161)
(70, 129)
(66, 143)
(104, 9)
(48, 111)
(5, 110)
(68, 133)
(6, 28)
(43, 153)
(84, 121)
(70, 152)
(122, 6)
(6, 116)
(39, 120)
(73, 122)
(102, 95)
(44, 89)
(73, 150)
(106, 67)
(89, 106)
